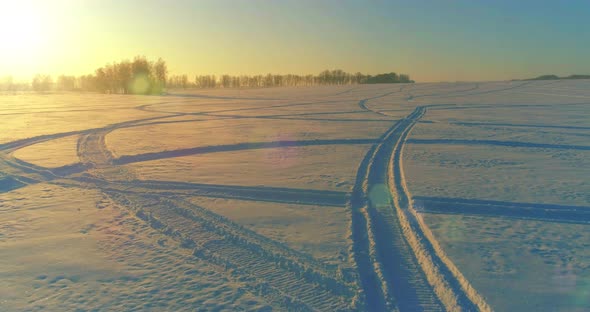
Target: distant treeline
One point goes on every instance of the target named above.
(141, 76)
(8, 84)
(138, 76)
(555, 77)
(326, 77)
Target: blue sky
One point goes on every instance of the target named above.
(430, 40)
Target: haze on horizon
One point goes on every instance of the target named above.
(430, 40)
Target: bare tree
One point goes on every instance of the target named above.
(161, 74)
(143, 76)
(66, 83)
(42, 83)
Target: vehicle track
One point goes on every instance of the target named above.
(400, 263)
(497, 124)
(444, 94)
(403, 281)
(279, 274)
(390, 276)
(252, 193)
(500, 143)
(363, 103)
(126, 159)
(386, 228)
(511, 210)
(92, 149)
(452, 288)
(270, 269)
(270, 194)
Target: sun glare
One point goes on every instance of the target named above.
(23, 31)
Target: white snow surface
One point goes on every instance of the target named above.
(251, 199)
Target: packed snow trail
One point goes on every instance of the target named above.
(389, 273)
(272, 270)
(512, 210)
(400, 264)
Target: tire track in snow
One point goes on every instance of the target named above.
(390, 276)
(256, 193)
(444, 94)
(502, 209)
(400, 264)
(252, 193)
(498, 124)
(363, 103)
(126, 159)
(500, 143)
(17, 144)
(452, 288)
(28, 173)
(377, 213)
(267, 268)
(271, 269)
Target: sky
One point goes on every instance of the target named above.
(437, 40)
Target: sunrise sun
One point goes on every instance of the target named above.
(22, 31)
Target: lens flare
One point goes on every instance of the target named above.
(140, 85)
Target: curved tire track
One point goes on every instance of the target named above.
(400, 263)
(271, 269)
(127, 159)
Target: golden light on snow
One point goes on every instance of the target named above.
(264, 181)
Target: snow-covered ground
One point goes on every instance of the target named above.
(373, 197)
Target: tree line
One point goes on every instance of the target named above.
(137, 76)
(8, 84)
(326, 77)
(555, 77)
(141, 76)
